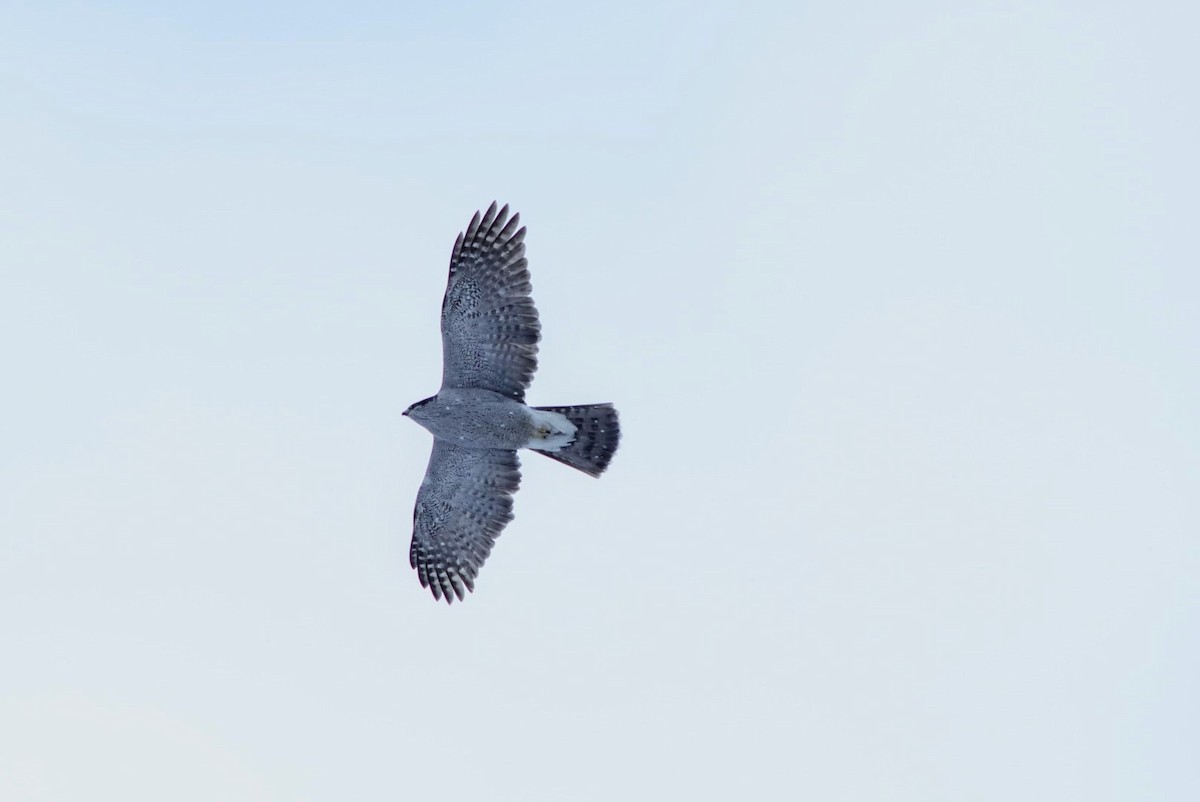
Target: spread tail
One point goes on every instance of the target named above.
(597, 432)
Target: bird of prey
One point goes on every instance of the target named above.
(479, 418)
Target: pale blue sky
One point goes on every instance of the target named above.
(898, 302)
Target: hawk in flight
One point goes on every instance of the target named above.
(479, 418)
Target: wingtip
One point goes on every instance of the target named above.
(488, 218)
(472, 228)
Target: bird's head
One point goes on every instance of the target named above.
(414, 411)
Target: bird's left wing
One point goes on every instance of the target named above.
(490, 327)
(464, 503)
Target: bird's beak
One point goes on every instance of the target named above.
(405, 413)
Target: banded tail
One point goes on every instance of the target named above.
(597, 432)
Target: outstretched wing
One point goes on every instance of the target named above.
(490, 326)
(464, 503)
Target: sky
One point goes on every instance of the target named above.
(897, 302)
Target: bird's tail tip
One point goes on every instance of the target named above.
(597, 434)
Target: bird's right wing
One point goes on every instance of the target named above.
(490, 327)
(464, 503)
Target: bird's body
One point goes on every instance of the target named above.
(476, 418)
(479, 417)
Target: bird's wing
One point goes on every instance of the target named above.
(490, 326)
(464, 503)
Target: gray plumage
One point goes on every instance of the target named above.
(479, 418)
(490, 328)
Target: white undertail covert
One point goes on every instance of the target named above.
(552, 432)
